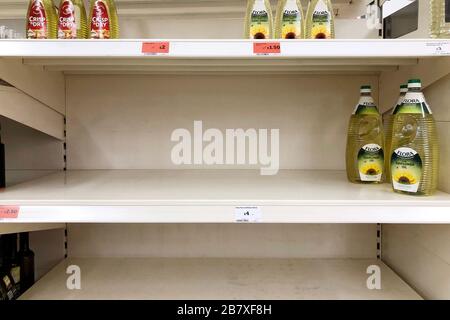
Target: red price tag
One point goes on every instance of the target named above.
(155, 47)
(9, 212)
(266, 47)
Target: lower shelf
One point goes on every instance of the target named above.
(170, 278)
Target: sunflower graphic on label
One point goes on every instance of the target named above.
(321, 22)
(406, 169)
(370, 162)
(291, 21)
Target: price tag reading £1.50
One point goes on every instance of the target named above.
(9, 212)
(266, 48)
(247, 214)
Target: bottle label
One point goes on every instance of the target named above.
(291, 22)
(414, 102)
(67, 23)
(321, 21)
(15, 274)
(259, 21)
(370, 162)
(366, 105)
(37, 21)
(406, 169)
(100, 23)
(447, 11)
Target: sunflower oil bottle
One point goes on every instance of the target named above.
(41, 20)
(365, 152)
(440, 18)
(415, 146)
(258, 20)
(103, 20)
(289, 22)
(319, 20)
(388, 118)
(72, 21)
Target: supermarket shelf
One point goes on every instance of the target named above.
(211, 196)
(145, 278)
(122, 56)
(20, 107)
(6, 228)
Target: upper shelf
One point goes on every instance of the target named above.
(211, 196)
(138, 55)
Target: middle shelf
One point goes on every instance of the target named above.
(211, 196)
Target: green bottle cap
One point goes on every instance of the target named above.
(414, 81)
(404, 86)
(366, 87)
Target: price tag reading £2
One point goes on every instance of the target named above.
(247, 214)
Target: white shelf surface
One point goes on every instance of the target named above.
(234, 55)
(210, 196)
(154, 278)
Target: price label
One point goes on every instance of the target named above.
(438, 48)
(155, 48)
(266, 48)
(11, 212)
(247, 214)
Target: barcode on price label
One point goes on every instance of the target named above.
(266, 48)
(155, 48)
(11, 212)
(247, 214)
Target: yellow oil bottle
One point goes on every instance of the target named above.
(72, 20)
(388, 119)
(41, 20)
(320, 20)
(289, 22)
(258, 20)
(103, 20)
(415, 146)
(365, 150)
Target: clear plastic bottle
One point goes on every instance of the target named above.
(319, 20)
(258, 20)
(289, 22)
(388, 119)
(415, 146)
(440, 18)
(103, 20)
(41, 20)
(72, 20)
(365, 150)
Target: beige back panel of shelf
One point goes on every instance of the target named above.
(126, 121)
(420, 254)
(222, 240)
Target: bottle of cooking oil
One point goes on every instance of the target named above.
(289, 22)
(103, 20)
(320, 20)
(72, 21)
(258, 20)
(415, 146)
(365, 152)
(41, 20)
(388, 119)
(440, 18)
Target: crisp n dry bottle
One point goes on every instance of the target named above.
(319, 20)
(72, 20)
(103, 20)
(415, 147)
(41, 20)
(289, 22)
(388, 120)
(258, 20)
(365, 150)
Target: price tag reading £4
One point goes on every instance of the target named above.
(11, 212)
(247, 214)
